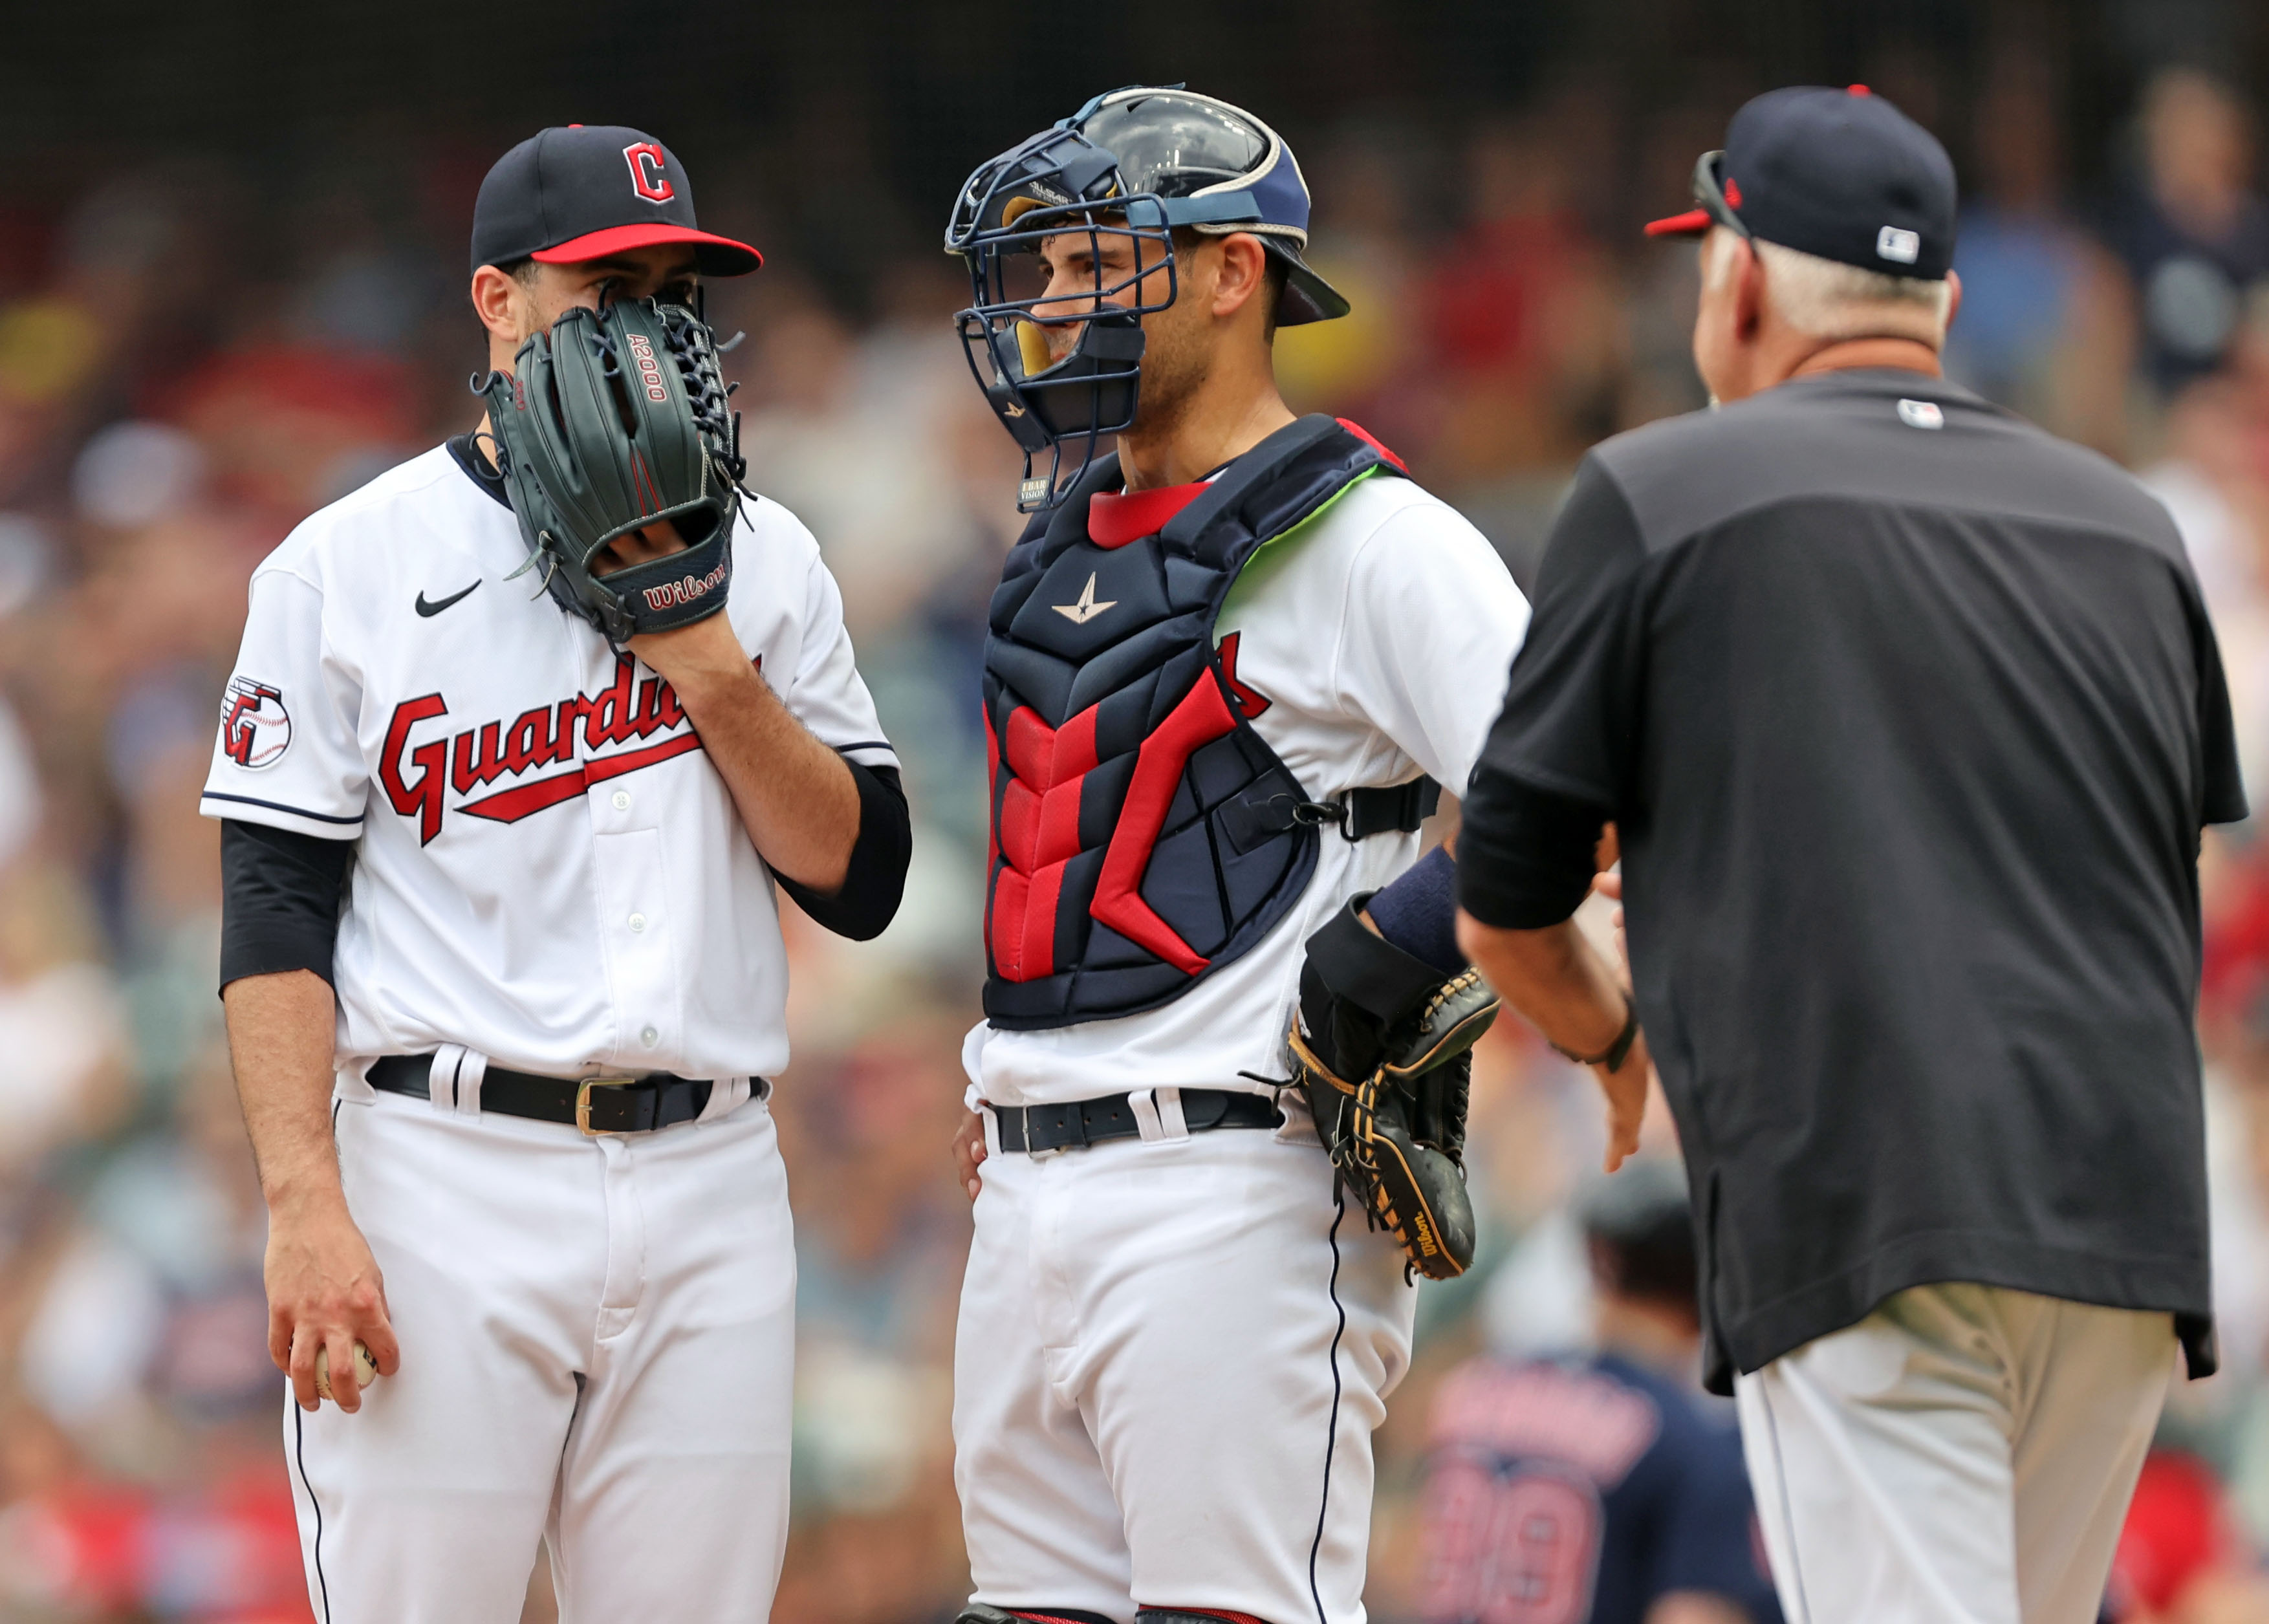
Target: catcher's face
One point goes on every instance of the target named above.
(1072, 266)
(1214, 308)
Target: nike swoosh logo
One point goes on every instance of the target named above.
(431, 610)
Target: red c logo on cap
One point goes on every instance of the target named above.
(649, 173)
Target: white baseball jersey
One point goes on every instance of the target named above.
(1375, 643)
(550, 872)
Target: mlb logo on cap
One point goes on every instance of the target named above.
(586, 191)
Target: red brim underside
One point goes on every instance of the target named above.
(720, 257)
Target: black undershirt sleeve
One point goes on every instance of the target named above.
(281, 892)
(869, 897)
(1525, 856)
(1558, 763)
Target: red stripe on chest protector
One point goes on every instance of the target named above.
(1201, 718)
(1035, 832)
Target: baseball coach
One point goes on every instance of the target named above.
(1908, 717)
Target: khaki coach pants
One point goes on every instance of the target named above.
(1963, 1455)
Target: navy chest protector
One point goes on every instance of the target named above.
(1144, 833)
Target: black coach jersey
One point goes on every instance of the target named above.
(1909, 715)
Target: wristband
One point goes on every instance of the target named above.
(1616, 1052)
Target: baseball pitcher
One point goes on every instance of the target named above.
(524, 737)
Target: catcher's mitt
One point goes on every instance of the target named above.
(1382, 1045)
(612, 420)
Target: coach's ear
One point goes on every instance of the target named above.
(1747, 272)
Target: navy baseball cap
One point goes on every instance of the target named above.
(1840, 175)
(589, 191)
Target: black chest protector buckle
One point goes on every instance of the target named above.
(1144, 834)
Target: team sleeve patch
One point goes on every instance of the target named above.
(255, 729)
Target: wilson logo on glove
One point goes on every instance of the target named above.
(673, 592)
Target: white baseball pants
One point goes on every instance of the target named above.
(1964, 1455)
(597, 1345)
(1171, 1356)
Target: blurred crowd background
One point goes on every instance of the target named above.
(232, 288)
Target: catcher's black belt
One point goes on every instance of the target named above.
(595, 1104)
(1090, 1122)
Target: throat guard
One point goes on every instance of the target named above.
(1144, 835)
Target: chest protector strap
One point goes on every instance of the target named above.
(1144, 833)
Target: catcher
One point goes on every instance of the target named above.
(1228, 664)
(523, 739)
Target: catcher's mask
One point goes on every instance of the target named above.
(1130, 166)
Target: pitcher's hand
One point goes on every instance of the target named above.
(324, 1290)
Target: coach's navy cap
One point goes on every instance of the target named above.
(590, 190)
(1839, 173)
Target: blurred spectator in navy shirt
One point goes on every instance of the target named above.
(2047, 325)
(2195, 235)
(1599, 1487)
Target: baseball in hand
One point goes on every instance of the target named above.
(365, 1369)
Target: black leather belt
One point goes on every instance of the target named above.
(595, 1104)
(1090, 1122)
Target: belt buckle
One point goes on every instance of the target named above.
(583, 1103)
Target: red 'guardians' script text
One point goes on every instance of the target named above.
(416, 777)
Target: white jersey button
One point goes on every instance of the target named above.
(649, 1037)
(621, 799)
(638, 922)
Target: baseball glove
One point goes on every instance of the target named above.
(1382, 1045)
(610, 421)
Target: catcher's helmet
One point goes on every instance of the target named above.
(1134, 164)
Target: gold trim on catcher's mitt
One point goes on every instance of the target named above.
(1394, 1126)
